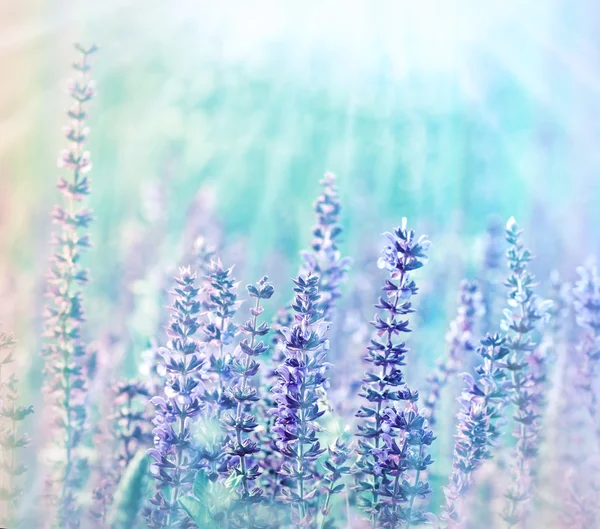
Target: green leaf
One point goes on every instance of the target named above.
(130, 494)
(197, 511)
(233, 481)
(201, 485)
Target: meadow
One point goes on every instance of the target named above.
(266, 266)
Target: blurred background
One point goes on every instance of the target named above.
(219, 119)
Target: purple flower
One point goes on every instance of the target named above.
(324, 258)
(460, 340)
(336, 467)
(586, 306)
(219, 332)
(130, 419)
(65, 350)
(482, 402)
(175, 461)
(241, 423)
(301, 381)
(582, 492)
(524, 316)
(393, 436)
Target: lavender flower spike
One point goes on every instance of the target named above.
(583, 491)
(482, 402)
(175, 462)
(128, 431)
(336, 468)
(130, 419)
(65, 350)
(324, 257)
(460, 345)
(586, 305)
(241, 423)
(220, 331)
(521, 320)
(390, 432)
(301, 380)
(11, 413)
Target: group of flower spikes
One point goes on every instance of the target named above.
(229, 454)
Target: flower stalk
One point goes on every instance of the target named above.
(385, 425)
(66, 352)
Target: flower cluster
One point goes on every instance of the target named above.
(301, 380)
(220, 330)
(384, 455)
(245, 423)
(583, 489)
(11, 414)
(174, 459)
(324, 257)
(127, 432)
(586, 306)
(203, 256)
(460, 345)
(481, 408)
(406, 440)
(130, 419)
(241, 423)
(66, 351)
(336, 468)
(521, 320)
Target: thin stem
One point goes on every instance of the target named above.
(238, 415)
(63, 341)
(413, 496)
(382, 384)
(325, 508)
(301, 437)
(522, 433)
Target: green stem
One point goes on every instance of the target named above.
(520, 453)
(238, 415)
(412, 498)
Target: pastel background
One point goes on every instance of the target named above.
(219, 119)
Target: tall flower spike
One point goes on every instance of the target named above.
(521, 321)
(174, 460)
(324, 257)
(586, 305)
(460, 340)
(271, 460)
(130, 420)
(203, 255)
(65, 349)
(482, 402)
(301, 381)
(386, 457)
(241, 423)
(128, 433)
(11, 414)
(220, 331)
(584, 490)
